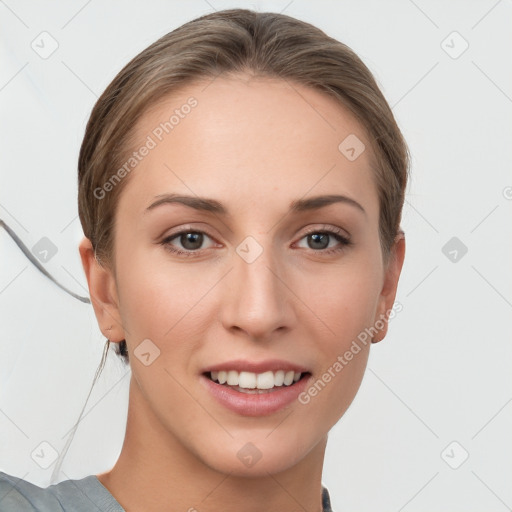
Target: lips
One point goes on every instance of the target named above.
(240, 365)
(255, 388)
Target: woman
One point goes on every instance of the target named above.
(241, 183)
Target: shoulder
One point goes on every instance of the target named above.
(73, 495)
(18, 495)
(326, 500)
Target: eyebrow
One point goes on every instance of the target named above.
(214, 206)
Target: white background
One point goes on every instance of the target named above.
(443, 372)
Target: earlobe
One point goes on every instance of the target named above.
(102, 291)
(390, 285)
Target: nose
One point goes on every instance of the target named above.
(257, 298)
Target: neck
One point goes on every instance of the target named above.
(156, 473)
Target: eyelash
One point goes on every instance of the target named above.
(334, 232)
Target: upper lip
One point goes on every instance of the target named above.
(241, 365)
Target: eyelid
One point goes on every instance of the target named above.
(186, 228)
(328, 227)
(313, 229)
(342, 236)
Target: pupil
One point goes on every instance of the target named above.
(194, 238)
(317, 238)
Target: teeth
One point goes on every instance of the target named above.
(279, 378)
(250, 380)
(265, 380)
(288, 378)
(247, 380)
(232, 378)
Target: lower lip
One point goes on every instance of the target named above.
(257, 404)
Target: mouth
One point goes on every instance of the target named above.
(256, 383)
(269, 389)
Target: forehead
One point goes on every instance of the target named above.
(251, 142)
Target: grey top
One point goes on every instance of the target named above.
(85, 495)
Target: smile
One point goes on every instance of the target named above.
(250, 382)
(255, 394)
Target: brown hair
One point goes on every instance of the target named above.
(233, 41)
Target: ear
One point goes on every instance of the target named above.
(102, 289)
(390, 285)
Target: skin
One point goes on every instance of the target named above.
(255, 145)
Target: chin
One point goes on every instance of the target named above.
(261, 468)
(243, 457)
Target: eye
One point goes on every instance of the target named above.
(318, 240)
(190, 240)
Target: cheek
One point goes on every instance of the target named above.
(331, 393)
(346, 309)
(153, 295)
(345, 306)
(343, 299)
(165, 304)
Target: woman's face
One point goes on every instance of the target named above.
(257, 280)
